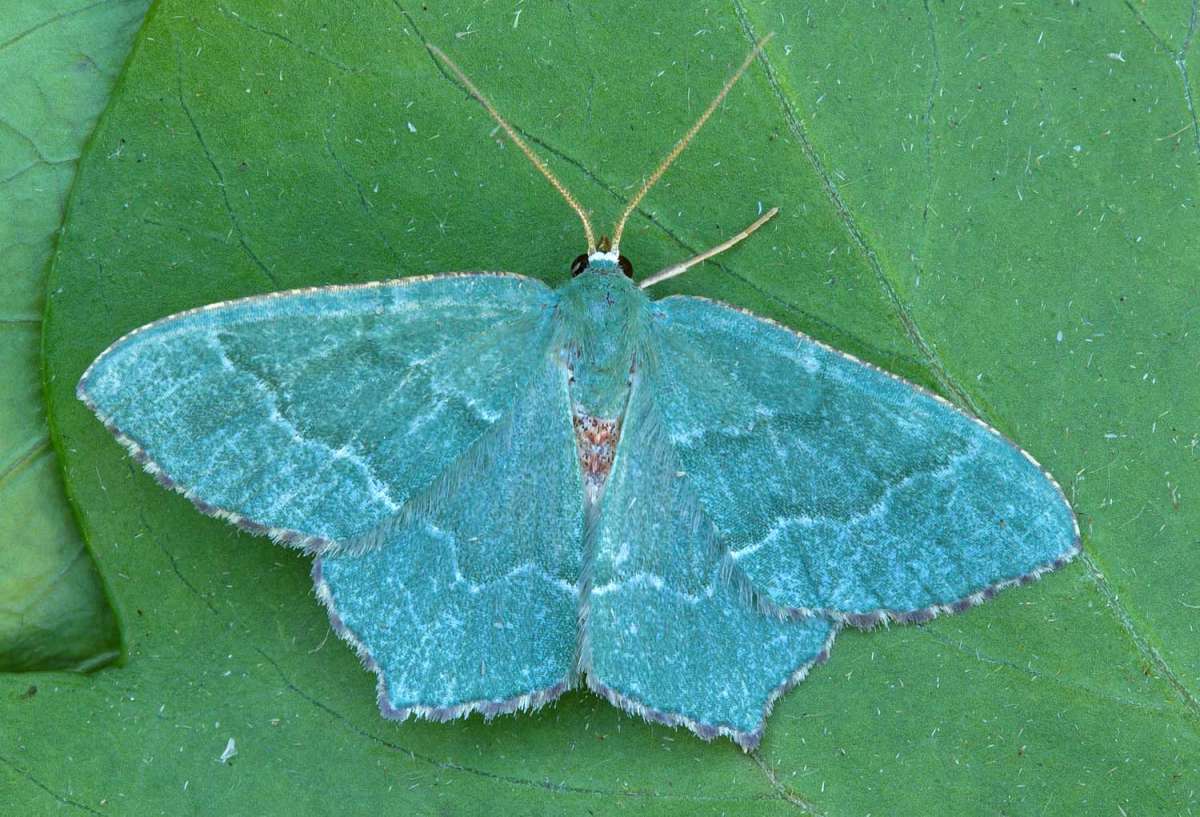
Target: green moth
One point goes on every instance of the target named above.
(512, 490)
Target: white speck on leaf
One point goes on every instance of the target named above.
(412, 128)
(1059, 336)
(230, 751)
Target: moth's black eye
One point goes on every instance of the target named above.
(579, 265)
(625, 266)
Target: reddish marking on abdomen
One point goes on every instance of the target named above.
(597, 441)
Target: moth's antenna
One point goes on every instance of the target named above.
(683, 143)
(519, 142)
(683, 266)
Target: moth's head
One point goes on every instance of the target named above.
(604, 260)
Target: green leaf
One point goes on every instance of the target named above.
(59, 59)
(999, 202)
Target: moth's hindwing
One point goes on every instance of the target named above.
(668, 634)
(469, 601)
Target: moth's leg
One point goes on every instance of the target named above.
(468, 602)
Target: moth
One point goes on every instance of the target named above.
(512, 490)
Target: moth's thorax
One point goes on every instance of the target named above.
(599, 317)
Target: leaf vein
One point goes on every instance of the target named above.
(266, 32)
(362, 197)
(49, 21)
(233, 218)
(1179, 58)
(542, 785)
(1069, 686)
(62, 798)
(805, 805)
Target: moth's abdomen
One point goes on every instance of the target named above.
(597, 440)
